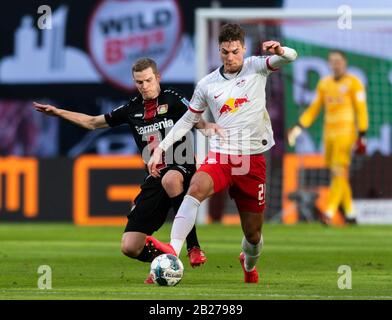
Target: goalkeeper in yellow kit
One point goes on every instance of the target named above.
(345, 124)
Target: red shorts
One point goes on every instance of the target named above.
(243, 174)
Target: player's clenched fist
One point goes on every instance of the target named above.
(273, 47)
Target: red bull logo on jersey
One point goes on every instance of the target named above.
(232, 105)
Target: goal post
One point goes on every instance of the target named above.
(367, 42)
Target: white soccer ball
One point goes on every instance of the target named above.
(167, 270)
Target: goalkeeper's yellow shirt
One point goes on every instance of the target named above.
(344, 101)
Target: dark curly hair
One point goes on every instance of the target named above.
(232, 32)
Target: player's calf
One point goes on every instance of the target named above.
(133, 245)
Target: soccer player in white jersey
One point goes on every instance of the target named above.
(235, 94)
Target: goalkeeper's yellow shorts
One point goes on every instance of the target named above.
(338, 151)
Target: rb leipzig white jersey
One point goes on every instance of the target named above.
(238, 105)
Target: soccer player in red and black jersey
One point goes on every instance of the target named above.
(150, 115)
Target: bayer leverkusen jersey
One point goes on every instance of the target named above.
(237, 103)
(151, 120)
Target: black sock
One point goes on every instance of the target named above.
(191, 239)
(145, 255)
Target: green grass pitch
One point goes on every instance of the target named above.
(298, 262)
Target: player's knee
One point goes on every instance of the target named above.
(130, 249)
(198, 190)
(173, 183)
(200, 187)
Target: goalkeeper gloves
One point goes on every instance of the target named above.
(293, 134)
(360, 146)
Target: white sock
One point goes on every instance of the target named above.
(183, 222)
(252, 252)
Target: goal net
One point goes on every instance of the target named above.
(297, 179)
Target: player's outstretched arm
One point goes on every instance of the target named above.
(80, 119)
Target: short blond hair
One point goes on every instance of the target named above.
(143, 64)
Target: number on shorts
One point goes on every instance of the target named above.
(261, 197)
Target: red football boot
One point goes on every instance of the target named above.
(196, 257)
(249, 276)
(157, 247)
